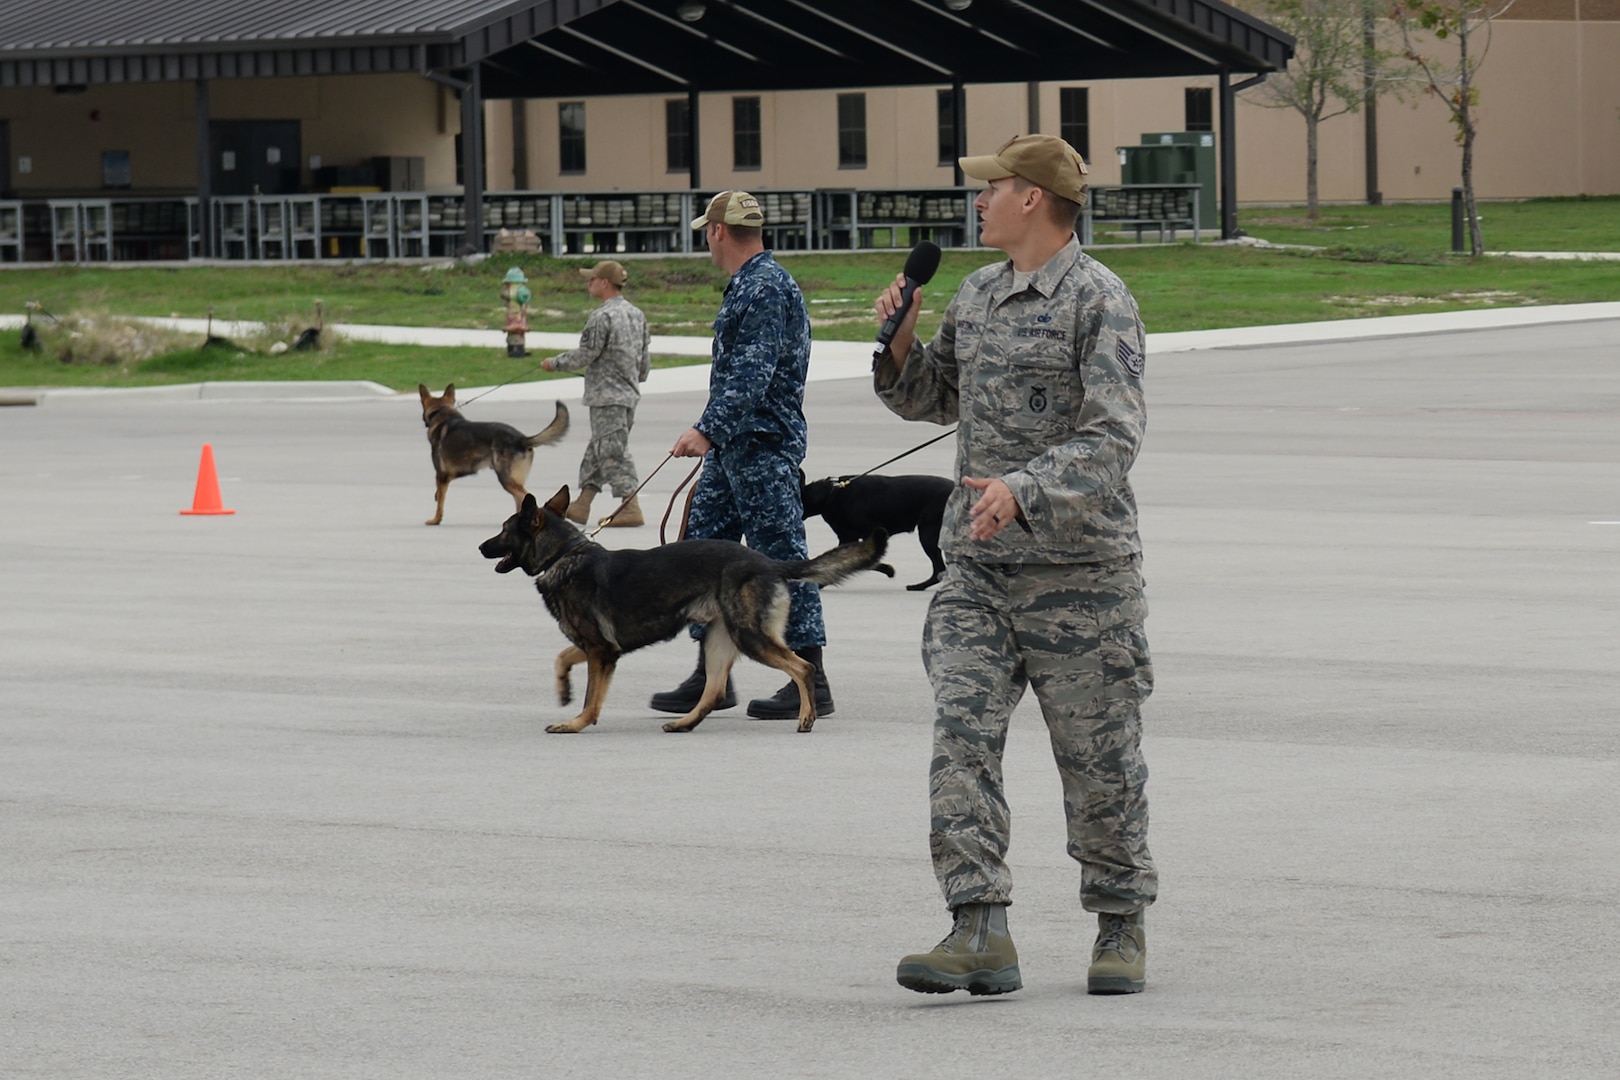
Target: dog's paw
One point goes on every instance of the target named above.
(674, 728)
(806, 724)
(921, 585)
(565, 692)
(885, 569)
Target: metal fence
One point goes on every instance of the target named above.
(403, 225)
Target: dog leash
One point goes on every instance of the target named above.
(520, 375)
(626, 502)
(844, 481)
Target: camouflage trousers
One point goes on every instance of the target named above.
(1074, 634)
(607, 458)
(749, 491)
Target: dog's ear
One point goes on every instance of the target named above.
(450, 394)
(530, 519)
(558, 504)
(421, 388)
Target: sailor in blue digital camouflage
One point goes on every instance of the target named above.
(614, 354)
(1039, 361)
(752, 436)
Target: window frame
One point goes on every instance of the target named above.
(570, 139)
(745, 138)
(1075, 132)
(852, 130)
(677, 139)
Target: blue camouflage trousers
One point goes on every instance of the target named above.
(749, 491)
(1074, 634)
(607, 461)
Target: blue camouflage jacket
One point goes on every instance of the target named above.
(761, 358)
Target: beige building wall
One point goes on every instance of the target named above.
(1549, 125)
(343, 120)
(1549, 113)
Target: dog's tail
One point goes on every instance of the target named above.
(554, 430)
(841, 563)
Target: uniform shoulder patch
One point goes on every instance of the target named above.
(1129, 359)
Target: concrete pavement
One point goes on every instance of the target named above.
(277, 800)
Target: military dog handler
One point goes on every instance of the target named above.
(1039, 360)
(614, 354)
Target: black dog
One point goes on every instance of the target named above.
(609, 603)
(856, 506)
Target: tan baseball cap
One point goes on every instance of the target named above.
(608, 271)
(1043, 160)
(731, 208)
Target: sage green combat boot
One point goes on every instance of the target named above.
(1119, 958)
(976, 956)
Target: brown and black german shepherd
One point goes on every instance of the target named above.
(611, 602)
(461, 447)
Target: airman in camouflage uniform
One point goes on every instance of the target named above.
(613, 353)
(1039, 361)
(752, 435)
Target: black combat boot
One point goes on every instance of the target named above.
(684, 698)
(784, 704)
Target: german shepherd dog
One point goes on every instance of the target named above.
(611, 602)
(461, 447)
(856, 505)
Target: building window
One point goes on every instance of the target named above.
(678, 134)
(1200, 109)
(745, 140)
(1074, 118)
(947, 127)
(852, 131)
(571, 137)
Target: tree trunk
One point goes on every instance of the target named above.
(1465, 119)
(1313, 202)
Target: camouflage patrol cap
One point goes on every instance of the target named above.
(609, 271)
(1044, 160)
(731, 208)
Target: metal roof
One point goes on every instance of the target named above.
(546, 48)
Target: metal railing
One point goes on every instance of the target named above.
(395, 225)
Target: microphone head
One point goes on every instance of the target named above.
(922, 262)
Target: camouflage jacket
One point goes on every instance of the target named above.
(1043, 373)
(613, 354)
(761, 357)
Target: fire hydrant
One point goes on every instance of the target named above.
(515, 294)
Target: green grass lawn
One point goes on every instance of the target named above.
(1362, 261)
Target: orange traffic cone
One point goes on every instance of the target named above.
(207, 500)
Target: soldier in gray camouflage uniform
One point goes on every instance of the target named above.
(1039, 361)
(613, 353)
(752, 437)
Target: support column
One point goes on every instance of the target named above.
(1228, 156)
(205, 173)
(472, 158)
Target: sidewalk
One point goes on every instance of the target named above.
(828, 359)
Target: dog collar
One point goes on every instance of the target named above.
(578, 539)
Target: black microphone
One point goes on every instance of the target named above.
(920, 267)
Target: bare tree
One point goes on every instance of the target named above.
(1336, 65)
(1458, 21)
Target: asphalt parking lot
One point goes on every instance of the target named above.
(275, 797)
